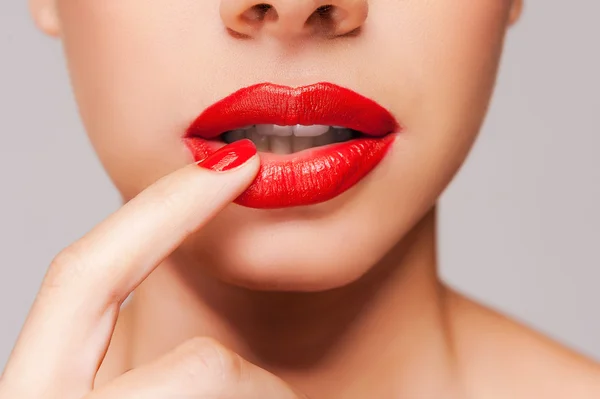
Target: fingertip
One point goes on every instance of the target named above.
(233, 156)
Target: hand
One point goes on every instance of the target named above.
(68, 329)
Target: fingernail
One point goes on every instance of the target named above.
(229, 157)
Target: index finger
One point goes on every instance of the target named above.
(69, 327)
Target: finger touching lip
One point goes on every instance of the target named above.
(312, 175)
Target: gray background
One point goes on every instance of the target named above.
(519, 225)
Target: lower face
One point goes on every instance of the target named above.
(144, 70)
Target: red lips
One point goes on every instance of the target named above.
(310, 176)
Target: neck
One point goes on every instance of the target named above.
(386, 330)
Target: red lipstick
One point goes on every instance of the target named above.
(310, 176)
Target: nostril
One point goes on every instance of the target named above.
(325, 10)
(323, 19)
(263, 7)
(287, 19)
(257, 12)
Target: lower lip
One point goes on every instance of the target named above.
(308, 177)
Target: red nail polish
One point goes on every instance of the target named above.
(229, 157)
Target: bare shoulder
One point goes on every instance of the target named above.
(502, 358)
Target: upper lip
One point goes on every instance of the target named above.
(318, 104)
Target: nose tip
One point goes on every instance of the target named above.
(286, 19)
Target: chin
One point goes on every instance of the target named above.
(267, 251)
(316, 277)
(288, 257)
(304, 249)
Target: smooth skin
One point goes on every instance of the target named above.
(338, 300)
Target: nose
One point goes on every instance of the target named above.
(288, 19)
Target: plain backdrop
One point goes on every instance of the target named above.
(519, 225)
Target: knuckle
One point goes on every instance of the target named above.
(67, 265)
(206, 357)
(73, 270)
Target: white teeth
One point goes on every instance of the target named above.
(261, 142)
(303, 143)
(283, 131)
(310, 131)
(275, 130)
(265, 130)
(289, 139)
(281, 145)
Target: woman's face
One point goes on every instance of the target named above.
(143, 70)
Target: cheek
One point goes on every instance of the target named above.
(133, 64)
(443, 60)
